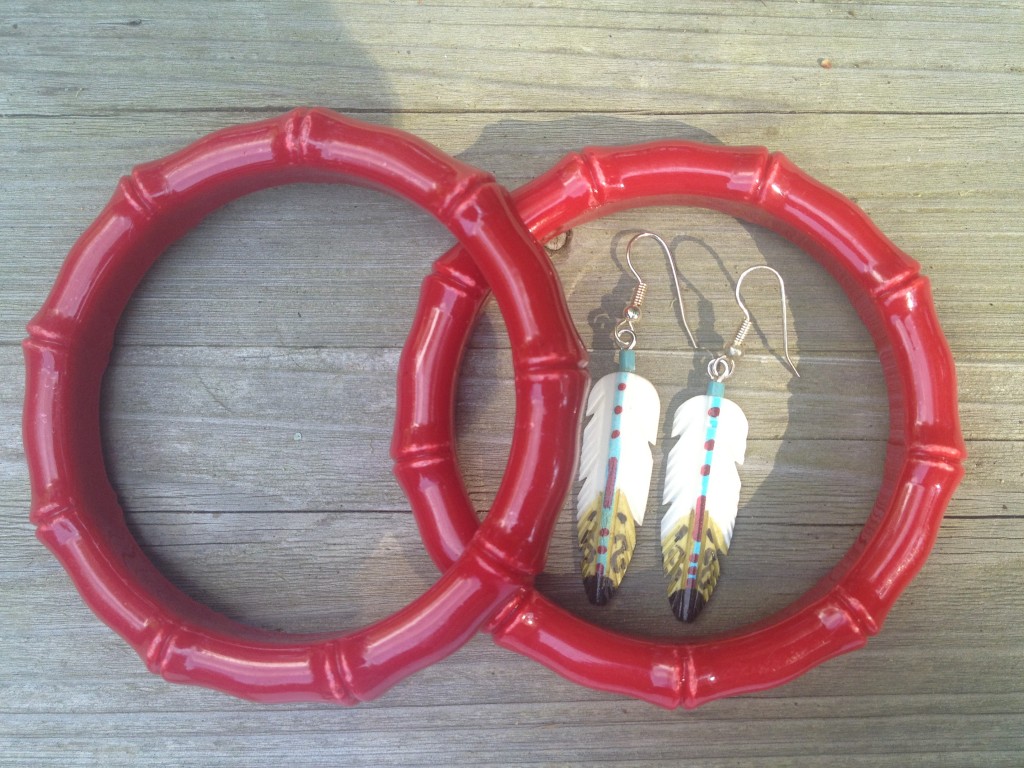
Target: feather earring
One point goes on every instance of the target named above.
(624, 412)
(702, 483)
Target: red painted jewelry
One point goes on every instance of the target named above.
(76, 510)
(79, 519)
(925, 450)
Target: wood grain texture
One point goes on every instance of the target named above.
(421, 57)
(248, 408)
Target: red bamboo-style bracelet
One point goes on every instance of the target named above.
(77, 512)
(925, 450)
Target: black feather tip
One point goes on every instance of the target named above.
(686, 604)
(599, 589)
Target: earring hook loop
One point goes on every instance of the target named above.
(624, 329)
(748, 320)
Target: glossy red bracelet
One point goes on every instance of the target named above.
(925, 451)
(70, 339)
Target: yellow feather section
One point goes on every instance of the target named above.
(621, 538)
(675, 552)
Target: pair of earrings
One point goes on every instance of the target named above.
(702, 484)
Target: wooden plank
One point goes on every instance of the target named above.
(304, 266)
(912, 678)
(416, 57)
(265, 429)
(283, 310)
(313, 413)
(324, 572)
(300, 571)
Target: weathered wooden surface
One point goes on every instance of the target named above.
(248, 409)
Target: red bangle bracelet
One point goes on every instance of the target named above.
(76, 510)
(923, 465)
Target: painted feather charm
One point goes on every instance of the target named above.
(615, 467)
(702, 487)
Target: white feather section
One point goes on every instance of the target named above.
(638, 427)
(683, 478)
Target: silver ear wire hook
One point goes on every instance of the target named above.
(723, 366)
(625, 333)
